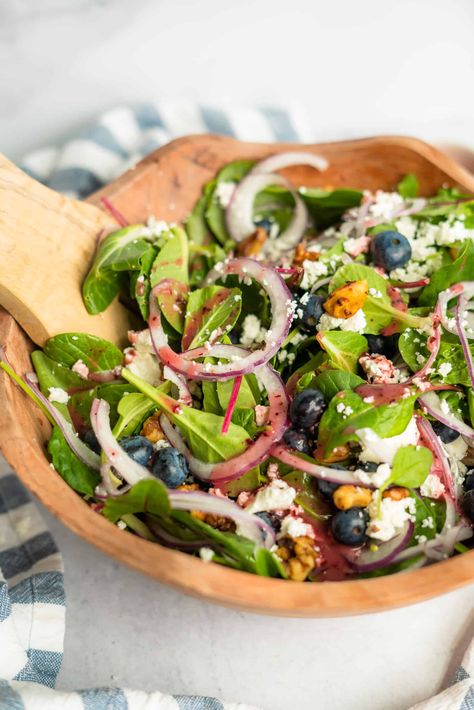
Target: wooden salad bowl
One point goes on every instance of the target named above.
(166, 184)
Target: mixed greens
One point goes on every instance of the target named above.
(297, 398)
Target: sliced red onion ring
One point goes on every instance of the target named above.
(249, 525)
(368, 560)
(434, 444)
(433, 343)
(432, 405)
(410, 284)
(239, 213)
(440, 547)
(281, 304)
(288, 159)
(128, 469)
(78, 447)
(105, 375)
(460, 306)
(334, 475)
(180, 382)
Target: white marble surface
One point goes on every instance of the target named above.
(360, 68)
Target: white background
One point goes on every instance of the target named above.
(359, 68)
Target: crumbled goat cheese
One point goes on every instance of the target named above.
(121, 524)
(379, 369)
(376, 478)
(223, 192)
(161, 444)
(261, 414)
(393, 515)
(344, 409)
(206, 554)
(385, 204)
(444, 369)
(252, 331)
(356, 323)
(278, 495)
(141, 358)
(432, 487)
(313, 270)
(81, 369)
(380, 450)
(57, 394)
(375, 293)
(294, 527)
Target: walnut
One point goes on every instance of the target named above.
(151, 428)
(299, 557)
(251, 246)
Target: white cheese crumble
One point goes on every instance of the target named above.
(376, 478)
(457, 448)
(381, 450)
(393, 515)
(278, 495)
(141, 358)
(223, 192)
(445, 368)
(81, 369)
(57, 394)
(356, 323)
(206, 554)
(252, 331)
(313, 270)
(294, 527)
(432, 487)
(386, 204)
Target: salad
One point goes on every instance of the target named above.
(297, 398)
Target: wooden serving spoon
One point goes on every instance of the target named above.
(47, 242)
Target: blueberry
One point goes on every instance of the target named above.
(306, 408)
(327, 488)
(138, 448)
(263, 515)
(469, 482)
(90, 439)
(348, 526)
(445, 433)
(390, 250)
(369, 466)
(297, 439)
(467, 504)
(170, 467)
(311, 312)
(382, 345)
(265, 223)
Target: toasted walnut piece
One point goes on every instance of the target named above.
(396, 493)
(188, 487)
(346, 497)
(283, 553)
(151, 428)
(219, 522)
(301, 254)
(251, 246)
(346, 300)
(198, 514)
(299, 556)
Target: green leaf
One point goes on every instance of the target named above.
(172, 303)
(119, 251)
(53, 374)
(196, 226)
(308, 495)
(245, 399)
(172, 259)
(268, 565)
(327, 206)
(411, 465)
(132, 411)
(140, 281)
(413, 344)
(343, 347)
(428, 508)
(210, 308)
(96, 353)
(76, 474)
(408, 186)
(330, 382)
(148, 496)
(210, 398)
(462, 269)
(339, 427)
(215, 214)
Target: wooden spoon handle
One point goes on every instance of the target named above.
(47, 242)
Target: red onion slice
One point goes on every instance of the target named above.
(334, 475)
(281, 304)
(180, 382)
(258, 450)
(410, 284)
(78, 447)
(249, 525)
(368, 560)
(431, 404)
(128, 469)
(433, 343)
(287, 160)
(239, 213)
(436, 448)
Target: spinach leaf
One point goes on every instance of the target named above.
(268, 565)
(76, 474)
(330, 382)
(98, 354)
(411, 465)
(461, 269)
(210, 398)
(172, 303)
(327, 206)
(210, 308)
(132, 411)
(172, 259)
(245, 399)
(308, 495)
(412, 346)
(338, 427)
(427, 508)
(148, 496)
(215, 214)
(344, 348)
(53, 374)
(120, 251)
(408, 186)
(140, 282)
(196, 226)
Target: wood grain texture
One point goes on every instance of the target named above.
(167, 184)
(47, 242)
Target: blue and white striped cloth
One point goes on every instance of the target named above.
(32, 600)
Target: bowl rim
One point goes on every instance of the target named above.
(191, 575)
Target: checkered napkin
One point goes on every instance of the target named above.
(32, 601)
